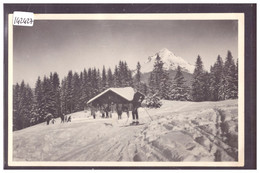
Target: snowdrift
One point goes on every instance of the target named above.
(179, 132)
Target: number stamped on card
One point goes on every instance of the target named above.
(23, 18)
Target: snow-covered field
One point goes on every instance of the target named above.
(178, 131)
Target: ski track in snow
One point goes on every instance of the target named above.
(179, 131)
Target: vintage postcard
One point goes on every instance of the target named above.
(116, 90)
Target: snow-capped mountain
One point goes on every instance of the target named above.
(171, 62)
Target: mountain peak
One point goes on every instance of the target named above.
(171, 61)
(165, 50)
(165, 53)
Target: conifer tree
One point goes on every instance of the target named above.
(39, 104)
(138, 85)
(56, 92)
(83, 89)
(23, 106)
(99, 81)
(76, 92)
(216, 76)
(48, 96)
(89, 84)
(198, 84)
(159, 80)
(206, 86)
(95, 82)
(236, 81)
(110, 80)
(129, 81)
(104, 79)
(117, 82)
(69, 93)
(16, 107)
(230, 82)
(63, 96)
(179, 90)
(29, 106)
(144, 89)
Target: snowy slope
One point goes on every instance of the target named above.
(178, 131)
(171, 62)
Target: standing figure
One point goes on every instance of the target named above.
(108, 111)
(119, 109)
(69, 119)
(93, 111)
(48, 118)
(103, 110)
(62, 118)
(136, 104)
(126, 109)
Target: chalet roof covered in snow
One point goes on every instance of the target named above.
(125, 94)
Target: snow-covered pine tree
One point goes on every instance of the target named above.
(137, 79)
(99, 81)
(95, 81)
(159, 80)
(89, 84)
(236, 81)
(76, 92)
(138, 84)
(230, 84)
(69, 93)
(165, 85)
(81, 90)
(129, 81)
(22, 106)
(179, 91)
(28, 106)
(117, 82)
(63, 96)
(216, 75)
(152, 83)
(121, 74)
(206, 86)
(104, 79)
(56, 91)
(48, 96)
(16, 107)
(110, 80)
(38, 97)
(153, 101)
(22, 102)
(144, 88)
(198, 84)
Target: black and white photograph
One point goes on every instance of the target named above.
(127, 90)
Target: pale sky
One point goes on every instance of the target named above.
(60, 46)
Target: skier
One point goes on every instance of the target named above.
(69, 119)
(136, 104)
(48, 118)
(62, 118)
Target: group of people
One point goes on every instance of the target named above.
(107, 109)
(50, 119)
(65, 118)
